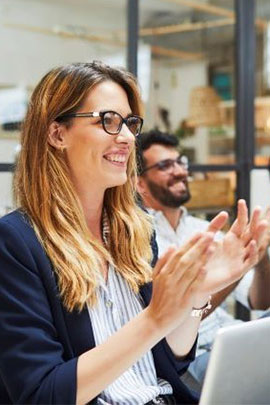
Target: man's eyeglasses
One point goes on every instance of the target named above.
(112, 121)
(168, 164)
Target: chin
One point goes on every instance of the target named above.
(118, 180)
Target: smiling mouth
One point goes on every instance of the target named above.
(178, 186)
(118, 160)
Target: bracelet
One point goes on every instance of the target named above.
(199, 312)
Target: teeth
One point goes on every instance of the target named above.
(116, 158)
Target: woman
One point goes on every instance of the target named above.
(79, 320)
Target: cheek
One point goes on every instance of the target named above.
(82, 158)
(159, 177)
(83, 145)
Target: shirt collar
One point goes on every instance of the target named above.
(158, 213)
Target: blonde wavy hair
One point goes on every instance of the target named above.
(44, 191)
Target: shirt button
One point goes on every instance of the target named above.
(109, 304)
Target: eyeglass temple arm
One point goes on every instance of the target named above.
(86, 114)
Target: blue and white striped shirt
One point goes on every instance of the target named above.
(116, 305)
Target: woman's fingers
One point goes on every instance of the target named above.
(181, 268)
(195, 286)
(261, 231)
(178, 277)
(255, 218)
(251, 255)
(166, 258)
(239, 225)
(188, 245)
(163, 260)
(195, 270)
(218, 222)
(267, 215)
(262, 238)
(186, 266)
(253, 225)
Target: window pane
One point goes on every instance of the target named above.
(262, 83)
(192, 75)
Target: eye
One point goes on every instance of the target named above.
(164, 165)
(107, 120)
(111, 119)
(134, 122)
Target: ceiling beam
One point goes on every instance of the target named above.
(204, 7)
(175, 53)
(214, 10)
(185, 27)
(60, 32)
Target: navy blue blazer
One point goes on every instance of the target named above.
(39, 340)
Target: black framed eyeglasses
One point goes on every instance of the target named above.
(112, 121)
(168, 164)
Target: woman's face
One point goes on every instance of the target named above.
(96, 159)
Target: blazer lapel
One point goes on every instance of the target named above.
(80, 330)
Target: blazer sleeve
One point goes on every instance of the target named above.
(182, 365)
(32, 367)
(163, 354)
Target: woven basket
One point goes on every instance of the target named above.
(204, 107)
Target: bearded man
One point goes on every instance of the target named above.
(163, 187)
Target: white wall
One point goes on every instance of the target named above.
(7, 155)
(6, 202)
(260, 188)
(170, 88)
(27, 55)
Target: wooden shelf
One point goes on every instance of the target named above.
(262, 112)
(211, 194)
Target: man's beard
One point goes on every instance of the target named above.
(164, 196)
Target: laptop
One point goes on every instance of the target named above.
(239, 367)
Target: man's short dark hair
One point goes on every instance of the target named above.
(154, 137)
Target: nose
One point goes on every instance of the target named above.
(125, 135)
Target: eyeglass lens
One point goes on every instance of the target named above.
(169, 163)
(113, 122)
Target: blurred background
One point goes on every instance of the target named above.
(203, 69)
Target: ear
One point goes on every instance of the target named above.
(56, 136)
(142, 188)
